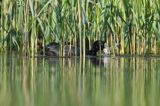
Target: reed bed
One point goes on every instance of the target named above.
(128, 26)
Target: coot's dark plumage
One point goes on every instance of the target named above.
(53, 49)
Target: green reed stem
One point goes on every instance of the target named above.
(130, 27)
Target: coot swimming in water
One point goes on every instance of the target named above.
(53, 49)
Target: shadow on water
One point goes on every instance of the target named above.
(72, 82)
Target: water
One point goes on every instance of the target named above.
(71, 82)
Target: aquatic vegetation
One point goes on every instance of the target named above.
(128, 26)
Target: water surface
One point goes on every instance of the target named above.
(71, 82)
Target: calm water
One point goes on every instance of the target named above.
(71, 82)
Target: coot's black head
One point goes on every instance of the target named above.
(97, 45)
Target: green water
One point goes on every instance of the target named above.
(71, 82)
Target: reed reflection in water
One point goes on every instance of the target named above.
(71, 82)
